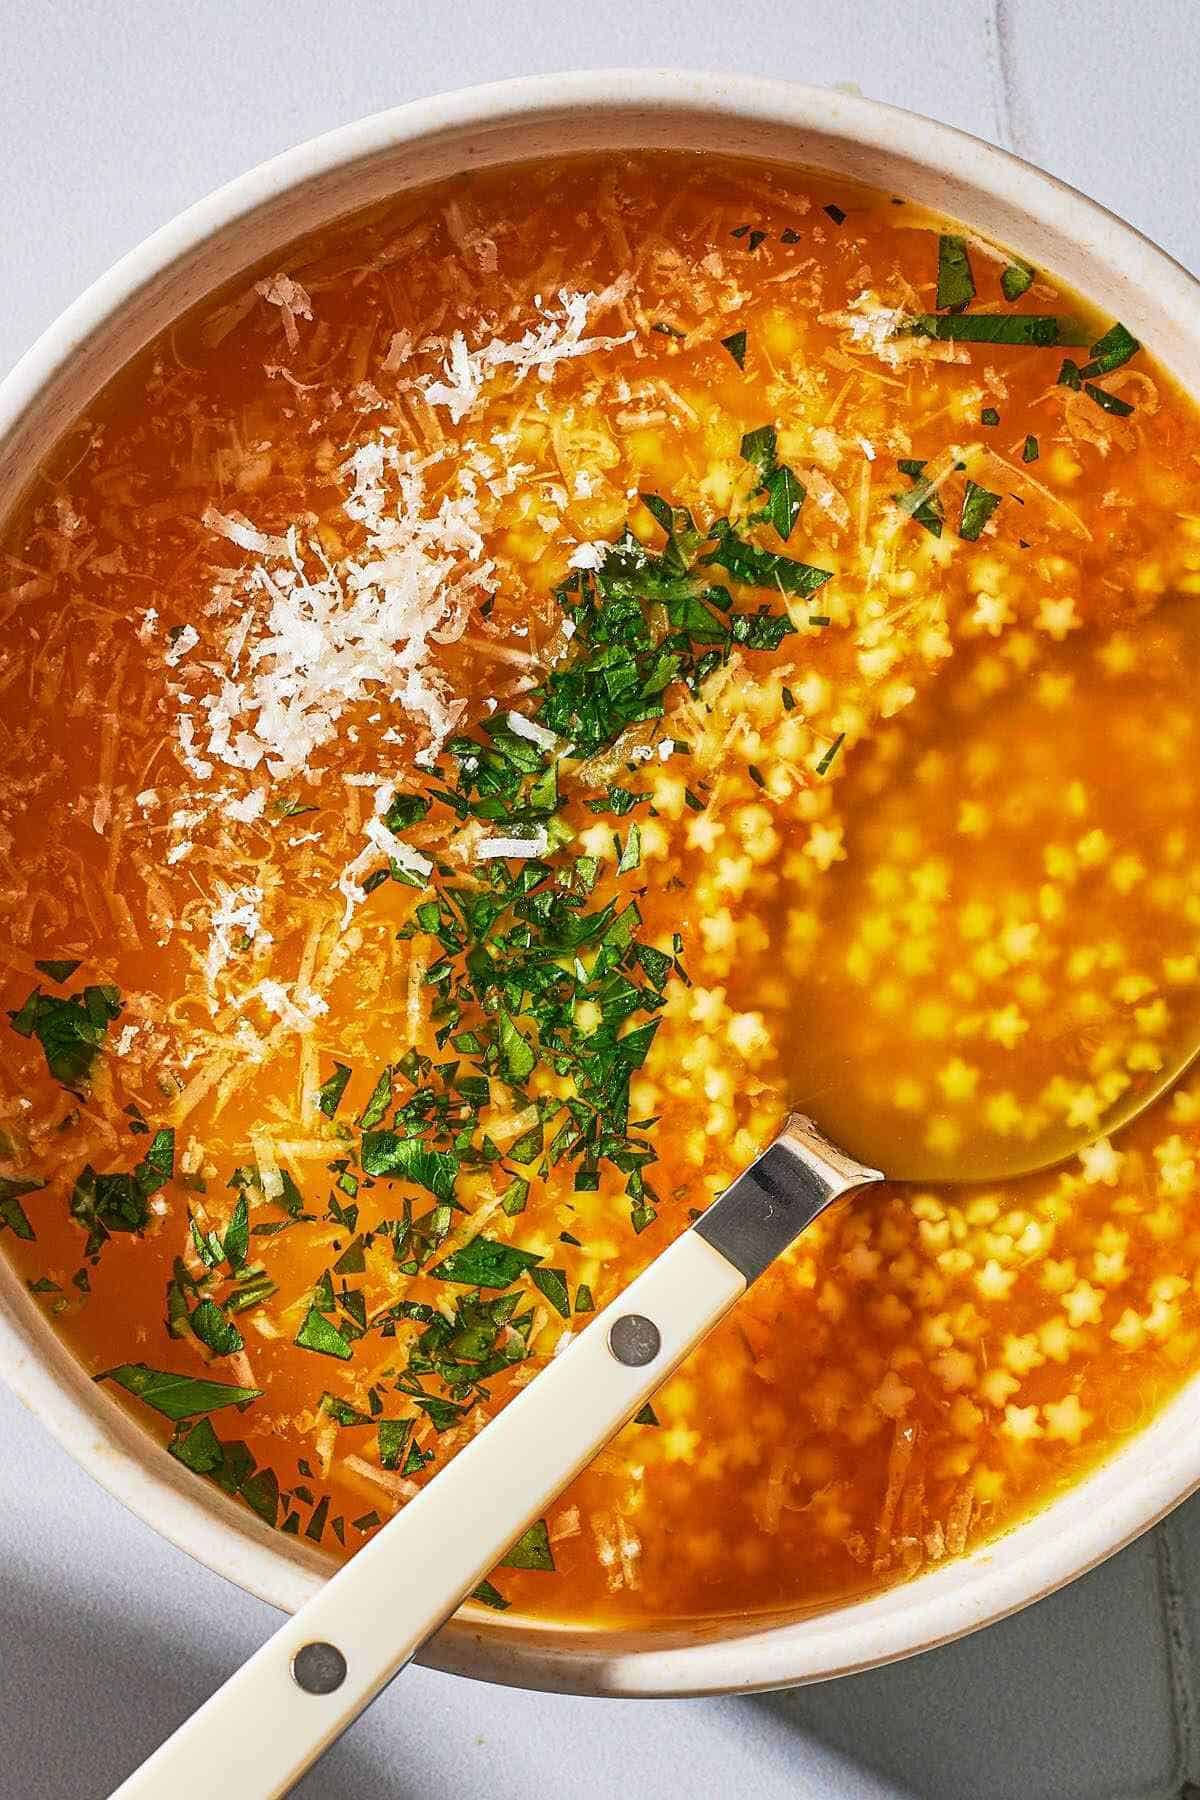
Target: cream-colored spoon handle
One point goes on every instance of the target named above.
(262, 1730)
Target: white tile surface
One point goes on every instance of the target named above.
(113, 117)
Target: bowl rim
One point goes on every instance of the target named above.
(1127, 1494)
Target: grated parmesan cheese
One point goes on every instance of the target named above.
(315, 642)
(587, 556)
(292, 301)
(531, 731)
(380, 842)
(513, 846)
(236, 910)
(557, 337)
(186, 639)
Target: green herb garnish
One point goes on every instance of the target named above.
(978, 507)
(236, 1243)
(70, 1030)
(826, 762)
(377, 1105)
(385, 1153)
(1111, 403)
(249, 1180)
(553, 1284)
(393, 1436)
(531, 1550)
(763, 569)
(13, 1216)
(443, 1415)
(199, 1449)
(1110, 352)
(518, 1058)
(322, 1335)
(487, 1595)
(120, 1201)
(1039, 329)
(513, 1199)
(329, 1094)
(214, 1329)
(59, 969)
(1016, 280)
(955, 282)
(921, 502)
(177, 1396)
(485, 1263)
(343, 1412)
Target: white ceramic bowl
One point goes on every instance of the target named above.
(1056, 229)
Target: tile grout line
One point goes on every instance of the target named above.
(999, 72)
(1181, 1656)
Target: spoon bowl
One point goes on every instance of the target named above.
(1006, 956)
(1049, 1151)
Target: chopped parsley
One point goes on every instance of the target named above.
(59, 969)
(1110, 352)
(782, 492)
(531, 1550)
(177, 1396)
(13, 1216)
(236, 1242)
(70, 1030)
(1017, 279)
(518, 1058)
(392, 1437)
(955, 282)
(826, 762)
(384, 1153)
(329, 1094)
(484, 1263)
(231, 1467)
(105, 1203)
(215, 1330)
(977, 508)
(921, 503)
(553, 1284)
(762, 568)
(1110, 403)
(1039, 329)
(322, 1335)
(487, 1595)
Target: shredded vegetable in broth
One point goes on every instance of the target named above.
(496, 707)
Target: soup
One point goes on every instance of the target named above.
(495, 708)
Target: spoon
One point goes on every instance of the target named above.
(271, 1720)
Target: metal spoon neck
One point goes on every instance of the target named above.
(797, 1176)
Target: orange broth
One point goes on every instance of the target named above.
(931, 854)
